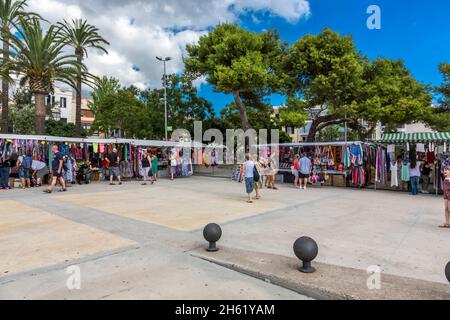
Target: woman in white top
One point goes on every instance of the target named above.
(247, 173)
(414, 174)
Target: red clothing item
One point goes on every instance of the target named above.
(296, 164)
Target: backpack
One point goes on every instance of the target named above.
(26, 162)
(145, 163)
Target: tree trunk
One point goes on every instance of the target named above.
(321, 123)
(40, 113)
(78, 104)
(5, 92)
(242, 110)
(313, 131)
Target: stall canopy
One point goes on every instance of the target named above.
(423, 137)
(143, 143)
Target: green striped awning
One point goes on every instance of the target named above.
(422, 137)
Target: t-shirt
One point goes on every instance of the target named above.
(57, 157)
(38, 165)
(426, 170)
(249, 167)
(305, 165)
(112, 157)
(155, 163)
(414, 172)
(296, 164)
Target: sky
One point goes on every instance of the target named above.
(415, 31)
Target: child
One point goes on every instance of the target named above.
(446, 188)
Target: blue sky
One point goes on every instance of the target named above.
(416, 31)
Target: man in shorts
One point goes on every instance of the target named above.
(113, 163)
(57, 168)
(305, 171)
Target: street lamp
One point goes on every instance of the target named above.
(165, 92)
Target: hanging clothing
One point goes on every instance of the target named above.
(394, 174)
(405, 172)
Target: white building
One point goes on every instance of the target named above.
(61, 100)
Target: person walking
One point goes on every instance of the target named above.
(24, 163)
(258, 185)
(113, 164)
(305, 171)
(296, 171)
(446, 189)
(414, 174)
(146, 161)
(247, 175)
(57, 170)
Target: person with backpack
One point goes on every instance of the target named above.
(248, 176)
(24, 163)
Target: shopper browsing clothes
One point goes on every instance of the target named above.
(5, 170)
(425, 172)
(24, 163)
(57, 170)
(155, 167)
(446, 188)
(414, 174)
(296, 171)
(40, 170)
(259, 166)
(113, 163)
(305, 171)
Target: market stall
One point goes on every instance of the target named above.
(339, 164)
(395, 151)
(93, 151)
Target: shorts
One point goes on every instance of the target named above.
(42, 173)
(295, 172)
(249, 185)
(173, 169)
(303, 175)
(114, 172)
(24, 173)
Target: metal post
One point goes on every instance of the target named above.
(165, 100)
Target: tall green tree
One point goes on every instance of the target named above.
(10, 13)
(80, 35)
(444, 89)
(334, 84)
(236, 61)
(41, 61)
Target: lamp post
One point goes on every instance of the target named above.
(164, 60)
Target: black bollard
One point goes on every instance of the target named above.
(212, 234)
(306, 249)
(447, 271)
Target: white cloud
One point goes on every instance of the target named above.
(140, 30)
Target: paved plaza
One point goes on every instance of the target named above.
(135, 242)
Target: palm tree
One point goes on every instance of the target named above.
(81, 35)
(41, 61)
(10, 12)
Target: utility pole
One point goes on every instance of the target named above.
(164, 60)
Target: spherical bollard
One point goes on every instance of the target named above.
(212, 234)
(447, 271)
(306, 249)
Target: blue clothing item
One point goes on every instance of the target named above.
(305, 166)
(24, 173)
(249, 184)
(57, 157)
(415, 185)
(4, 176)
(249, 167)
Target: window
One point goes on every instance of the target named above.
(56, 116)
(63, 102)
